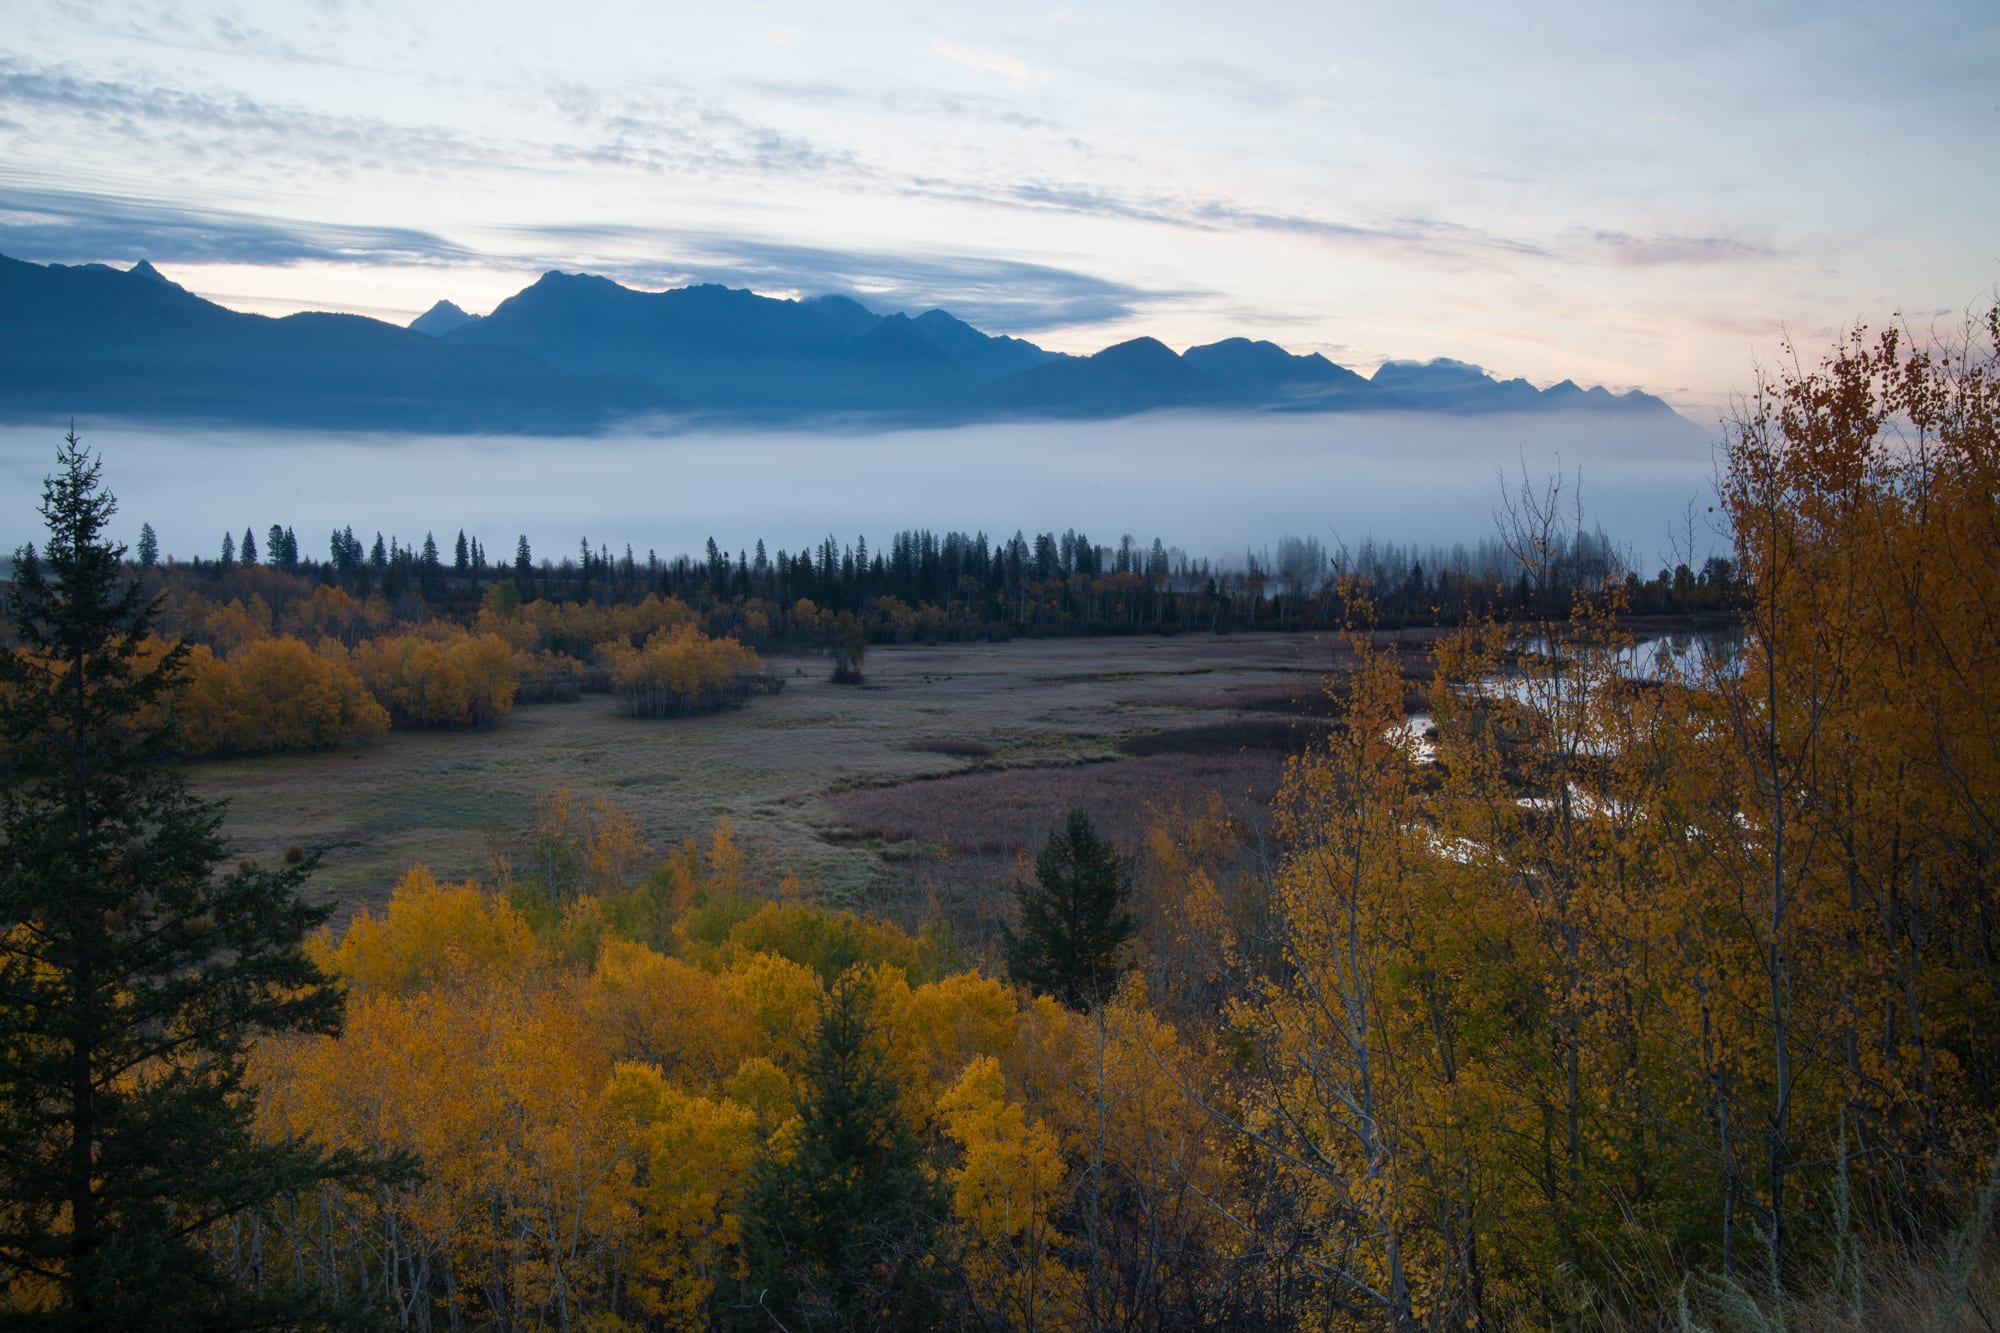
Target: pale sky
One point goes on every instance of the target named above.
(1643, 196)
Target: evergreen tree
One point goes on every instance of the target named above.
(524, 563)
(149, 547)
(132, 975)
(228, 556)
(274, 545)
(1073, 918)
(248, 550)
(461, 556)
(841, 1230)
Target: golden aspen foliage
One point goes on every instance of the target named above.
(697, 1153)
(273, 694)
(432, 933)
(1006, 1191)
(645, 1006)
(464, 681)
(580, 847)
(679, 671)
(1333, 1098)
(826, 941)
(765, 1089)
(780, 1000)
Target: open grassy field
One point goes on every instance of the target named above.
(951, 759)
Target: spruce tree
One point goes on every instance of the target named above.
(1073, 918)
(133, 975)
(841, 1230)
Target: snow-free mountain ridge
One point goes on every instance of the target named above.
(577, 353)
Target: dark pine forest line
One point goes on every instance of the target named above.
(926, 586)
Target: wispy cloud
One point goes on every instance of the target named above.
(1629, 251)
(916, 107)
(1431, 237)
(1016, 71)
(269, 141)
(998, 295)
(228, 127)
(62, 226)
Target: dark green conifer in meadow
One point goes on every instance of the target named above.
(133, 975)
(1074, 920)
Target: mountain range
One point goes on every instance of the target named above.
(573, 353)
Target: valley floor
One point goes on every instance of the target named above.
(965, 753)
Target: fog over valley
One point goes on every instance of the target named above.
(1211, 485)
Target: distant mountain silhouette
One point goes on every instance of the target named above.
(441, 319)
(730, 352)
(91, 339)
(1130, 377)
(575, 353)
(1444, 385)
(144, 269)
(1265, 373)
(987, 357)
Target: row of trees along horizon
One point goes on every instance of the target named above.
(1612, 1004)
(295, 653)
(290, 653)
(1047, 584)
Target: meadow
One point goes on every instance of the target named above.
(936, 774)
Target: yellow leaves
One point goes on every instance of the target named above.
(274, 694)
(697, 1152)
(595, 848)
(433, 933)
(1009, 1183)
(644, 1006)
(679, 670)
(928, 1032)
(780, 1001)
(824, 940)
(445, 678)
(1013, 1171)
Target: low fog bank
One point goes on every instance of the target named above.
(1215, 486)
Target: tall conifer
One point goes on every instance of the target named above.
(840, 1228)
(1073, 918)
(132, 975)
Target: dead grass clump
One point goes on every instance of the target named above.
(1306, 699)
(1226, 737)
(952, 749)
(996, 814)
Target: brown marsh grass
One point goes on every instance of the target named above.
(972, 751)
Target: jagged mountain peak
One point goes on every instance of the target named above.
(441, 319)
